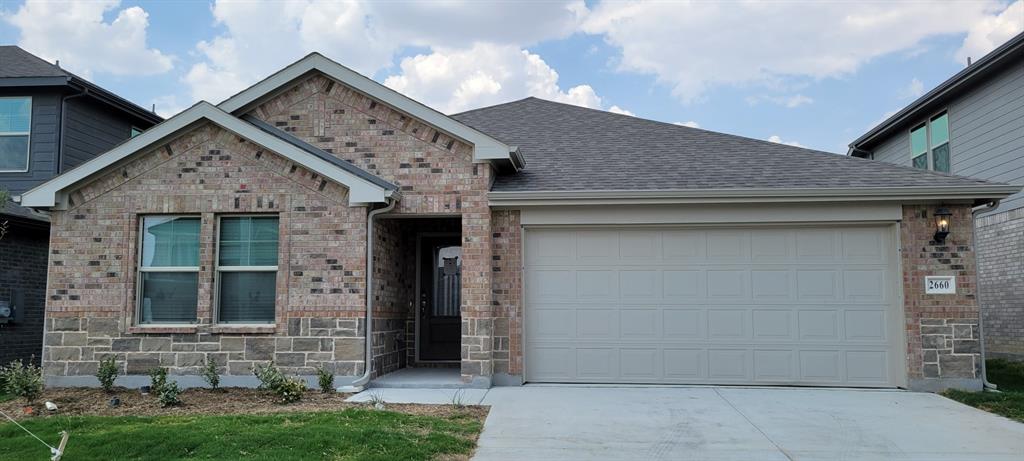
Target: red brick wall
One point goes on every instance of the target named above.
(942, 330)
(507, 289)
(206, 172)
(435, 172)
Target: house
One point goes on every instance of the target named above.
(973, 125)
(51, 121)
(319, 218)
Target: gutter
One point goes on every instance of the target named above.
(360, 383)
(991, 206)
(976, 193)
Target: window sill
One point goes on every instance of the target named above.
(244, 329)
(164, 329)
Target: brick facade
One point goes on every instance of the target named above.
(942, 330)
(23, 271)
(1001, 271)
(507, 291)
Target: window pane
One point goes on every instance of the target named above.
(940, 156)
(918, 141)
(170, 241)
(169, 297)
(940, 130)
(15, 114)
(248, 241)
(14, 153)
(921, 161)
(247, 297)
(134, 132)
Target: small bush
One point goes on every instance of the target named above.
(288, 389)
(325, 378)
(210, 374)
(25, 381)
(169, 394)
(158, 379)
(270, 377)
(107, 373)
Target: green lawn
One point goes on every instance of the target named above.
(351, 434)
(1009, 377)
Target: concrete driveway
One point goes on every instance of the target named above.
(715, 423)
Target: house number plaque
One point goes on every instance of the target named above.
(940, 285)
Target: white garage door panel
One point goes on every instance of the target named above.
(704, 305)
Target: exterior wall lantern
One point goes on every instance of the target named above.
(942, 218)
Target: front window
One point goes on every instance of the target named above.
(931, 140)
(247, 269)
(169, 269)
(15, 120)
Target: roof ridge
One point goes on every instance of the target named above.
(492, 106)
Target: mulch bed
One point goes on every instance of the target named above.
(242, 401)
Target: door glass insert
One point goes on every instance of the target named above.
(447, 282)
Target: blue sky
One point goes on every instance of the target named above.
(813, 73)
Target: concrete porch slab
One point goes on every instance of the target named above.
(422, 378)
(422, 396)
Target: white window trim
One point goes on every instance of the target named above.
(140, 269)
(28, 150)
(929, 158)
(218, 269)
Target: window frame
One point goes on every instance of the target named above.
(217, 269)
(141, 269)
(28, 150)
(929, 148)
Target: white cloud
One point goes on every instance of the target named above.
(992, 31)
(778, 43)
(788, 102)
(262, 37)
(77, 34)
(691, 124)
(619, 110)
(913, 90)
(453, 80)
(776, 139)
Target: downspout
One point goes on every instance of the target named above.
(360, 383)
(991, 206)
(60, 127)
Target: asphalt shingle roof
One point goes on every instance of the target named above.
(16, 62)
(570, 148)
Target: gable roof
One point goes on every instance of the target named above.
(23, 69)
(53, 193)
(973, 75)
(577, 152)
(485, 147)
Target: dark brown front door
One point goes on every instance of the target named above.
(440, 298)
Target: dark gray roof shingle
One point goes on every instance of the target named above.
(570, 148)
(16, 62)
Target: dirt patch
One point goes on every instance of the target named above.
(240, 401)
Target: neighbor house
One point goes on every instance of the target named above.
(973, 125)
(50, 122)
(319, 218)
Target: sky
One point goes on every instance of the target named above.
(810, 73)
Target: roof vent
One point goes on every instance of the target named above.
(57, 63)
(968, 61)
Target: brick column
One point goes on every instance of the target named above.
(477, 315)
(942, 330)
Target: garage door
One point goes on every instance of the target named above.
(757, 305)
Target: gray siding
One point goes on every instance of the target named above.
(986, 127)
(43, 140)
(90, 129)
(987, 131)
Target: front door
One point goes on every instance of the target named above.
(440, 298)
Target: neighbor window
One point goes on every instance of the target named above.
(247, 269)
(15, 119)
(931, 140)
(135, 131)
(168, 269)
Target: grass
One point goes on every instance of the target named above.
(5, 397)
(351, 434)
(1009, 402)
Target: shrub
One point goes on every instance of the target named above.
(210, 374)
(25, 381)
(288, 389)
(169, 393)
(158, 379)
(269, 376)
(325, 378)
(107, 373)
